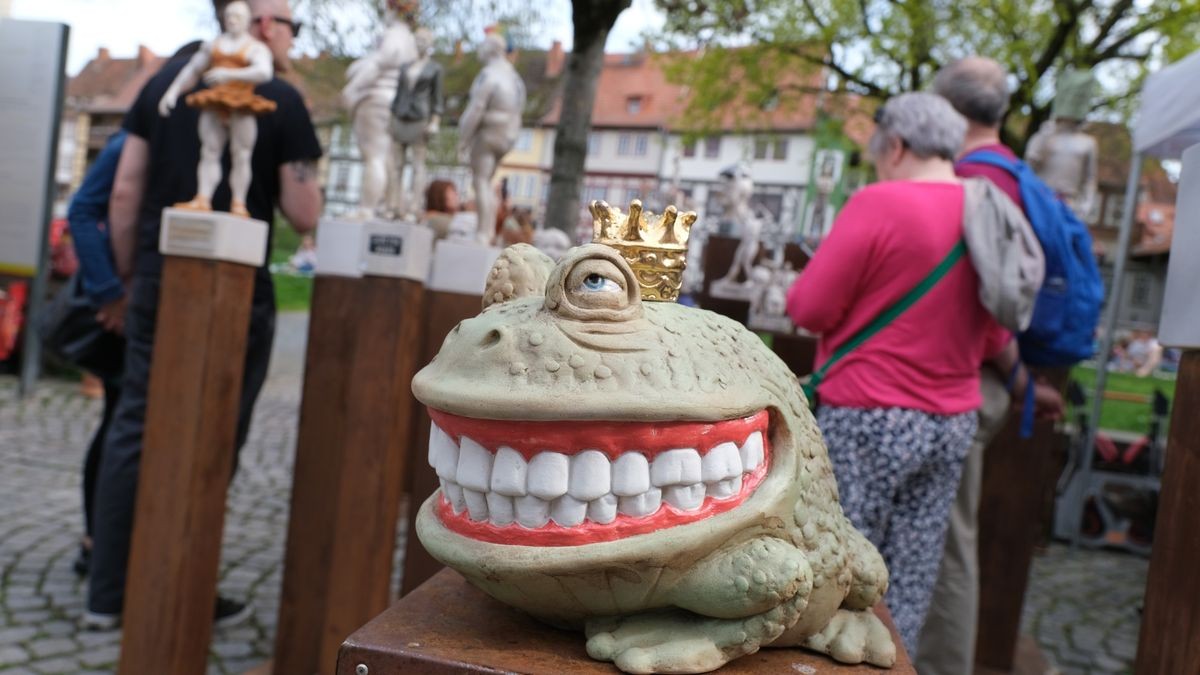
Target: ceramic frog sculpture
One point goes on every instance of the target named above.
(646, 472)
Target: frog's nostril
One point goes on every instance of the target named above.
(491, 339)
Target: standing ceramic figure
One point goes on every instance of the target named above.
(368, 96)
(1062, 154)
(736, 188)
(416, 116)
(489, 126)
(231, 66)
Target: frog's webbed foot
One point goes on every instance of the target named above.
(679, 641)
(855, 636)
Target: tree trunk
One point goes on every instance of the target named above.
(592, 20)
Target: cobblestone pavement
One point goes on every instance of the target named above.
(1081, 605)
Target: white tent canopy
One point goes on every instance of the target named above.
(1168, 121)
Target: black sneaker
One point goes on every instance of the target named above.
(230, 612)
(83, 561)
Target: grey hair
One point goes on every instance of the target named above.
(925, 123)
(977, 87)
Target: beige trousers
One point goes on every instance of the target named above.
(947, 642)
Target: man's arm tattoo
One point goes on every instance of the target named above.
(303, 170)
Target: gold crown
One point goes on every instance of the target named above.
(655, 246)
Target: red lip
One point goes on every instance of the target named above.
(613, 439)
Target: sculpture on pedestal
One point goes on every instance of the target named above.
(736, 188)
(768, 305)
(489, 126)
(1062, 154)
(416, 117)
(644, 472)
(231, 65)
(368, 96)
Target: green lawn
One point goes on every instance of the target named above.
(1124, 415)
(292, 293)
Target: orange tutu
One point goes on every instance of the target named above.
(231, 97)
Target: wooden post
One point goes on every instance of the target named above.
(351, 451)
(1171, 617)
(1017, 473)
(187, 459)
(455, 293)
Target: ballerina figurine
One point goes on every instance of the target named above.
(231, 65)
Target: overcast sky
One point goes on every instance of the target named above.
(121, 25)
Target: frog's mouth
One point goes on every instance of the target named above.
(579, 482)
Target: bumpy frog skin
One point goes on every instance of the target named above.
(646, 472)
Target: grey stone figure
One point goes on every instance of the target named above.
(416, 117)
(1062, 154)
(489, 126)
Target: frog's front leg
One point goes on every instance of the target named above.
(728, 606)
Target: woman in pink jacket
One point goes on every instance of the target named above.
(898, 412)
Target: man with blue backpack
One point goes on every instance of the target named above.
(1059, 334)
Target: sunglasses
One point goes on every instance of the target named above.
(295, 26)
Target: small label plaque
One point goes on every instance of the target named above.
(386, 244)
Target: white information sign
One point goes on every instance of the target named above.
(31, 70)
(1180, 324)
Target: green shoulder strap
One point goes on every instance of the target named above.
(885, 317)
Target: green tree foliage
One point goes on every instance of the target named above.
(879, 48)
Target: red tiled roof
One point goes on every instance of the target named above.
(108, 85)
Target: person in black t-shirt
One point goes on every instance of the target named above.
(157, 169)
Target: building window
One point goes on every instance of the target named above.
(530, 186)
(593, 144)
(641, 145)
(712, 147)
(779, 151)
(767, 149)
(624, 144)
(760, 148)
(689, 149)
(524, 141)
(1114, 208)
(1140, 295)
(633, 105)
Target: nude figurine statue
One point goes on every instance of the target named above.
(368, 95)
(736, 188)
(231, 65)
(489, 126)
(416, 117)
(1062, 154)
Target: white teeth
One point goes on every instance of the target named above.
(640, 505)
(603, 509)
(508, 473)
(568, 511)
(454, 495)
(676, 467)
(684, 497)
(531, 511)
(548, 475)
(726, 488)
(751, 452)
(474, 466)
(720, 463)
(447, 462)
(503, 488)
(630, 475)
(500, 509)
(439, 441)
(476, 504)
(590, 475)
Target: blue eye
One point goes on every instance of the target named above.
(596, 283)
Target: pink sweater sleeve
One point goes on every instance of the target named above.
(827, 287)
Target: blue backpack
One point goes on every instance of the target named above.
(1067, 308)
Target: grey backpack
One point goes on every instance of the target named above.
(1004, 251)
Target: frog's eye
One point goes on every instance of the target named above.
(597, 283)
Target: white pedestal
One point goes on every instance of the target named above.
(354, 248)
(732, 290)
(461, 267)
(213, 235)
